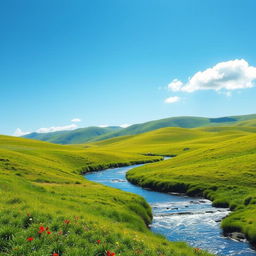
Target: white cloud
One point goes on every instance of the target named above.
(18, 132)
(57, 128)
(175, 85)
(103, 125)
(227, 76)
(172, 99)
(124, 125)
(76, 120)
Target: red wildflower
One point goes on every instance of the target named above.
(42, 228)
(98, 241)
(109, 253)
(66, 221)
(30, 239)
(49, 232)
(55, 254)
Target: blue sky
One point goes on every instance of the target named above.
(110, 62)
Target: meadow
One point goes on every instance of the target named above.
(48, 208)
(217, 163)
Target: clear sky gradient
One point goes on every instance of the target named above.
(110, 61)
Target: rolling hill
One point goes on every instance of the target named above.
(251, 123)
(48, 208)
(90, 134)
(170, 140)
(218, 163)
(42, 180)
(183, 122)
(80, 135)
(222, 169)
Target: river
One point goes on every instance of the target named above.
(179, 218)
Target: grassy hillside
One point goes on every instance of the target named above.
(221, 167)
(183, 122)
(91, 134)
(215, 162)
(48, 208)
(251, 123)
(81, 135)
(171, 140)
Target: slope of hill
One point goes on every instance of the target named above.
(81, 135)
(41, 179)
(221, 167)
(170, 140)
(251, 123)
(215, 162)
(96, 134)
(47, 208)
(183, 122)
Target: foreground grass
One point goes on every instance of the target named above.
(48, 208)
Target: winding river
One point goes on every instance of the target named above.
(180, 218)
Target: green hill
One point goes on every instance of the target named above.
(221, 167)
(48, 208)
(251, 123)
(183, 122)
(42, 181)
(170, 140)
(218, 163)
(96, 133)
(81, 135)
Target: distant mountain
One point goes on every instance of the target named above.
(92, 134)
(77, 136)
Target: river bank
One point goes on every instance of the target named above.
(179, 218)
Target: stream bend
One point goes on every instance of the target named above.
(179, 218)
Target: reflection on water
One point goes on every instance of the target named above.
(180, 218)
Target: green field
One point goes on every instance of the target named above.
(41, 186)
(90, 134)
(48, 208)
(218, 163)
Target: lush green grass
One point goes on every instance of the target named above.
(41, 188)
(171, 141)
(216, 162)
(221, 167)
(96, 133)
